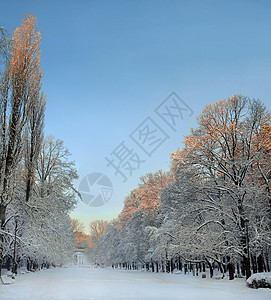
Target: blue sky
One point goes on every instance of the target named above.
(108, 65)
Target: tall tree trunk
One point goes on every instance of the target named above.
(171, 265)
(211, 267)
(260, 263)
(254, 263)
(2, 238)
(152, 267)
(180, 264)
(245, 246)
(267, 262)
(231, 269)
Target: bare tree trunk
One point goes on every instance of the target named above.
(2, 238)
(260, 263)
(211, 267)
(267, 262)
(254, 263)
(231, 269)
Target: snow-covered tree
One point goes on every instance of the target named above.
(225, 151)
(97, 228)
(36, 174)
(212, 208)
(19, 88)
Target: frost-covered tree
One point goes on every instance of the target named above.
(213, 208)
(36, 174)
(20, 86)
(106, 250)
(225, 152)
(4, 46)
(97, 228)
(80, 237)
(146, 196)
(45, 230)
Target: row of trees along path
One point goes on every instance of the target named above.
(212, 208)
(35, 171)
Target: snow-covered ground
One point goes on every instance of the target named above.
(91, 283)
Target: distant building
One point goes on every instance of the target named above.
(80, 257)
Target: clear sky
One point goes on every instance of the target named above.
(109, 64)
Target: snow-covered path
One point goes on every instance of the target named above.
(90, 283)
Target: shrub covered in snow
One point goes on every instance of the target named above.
(259, 280)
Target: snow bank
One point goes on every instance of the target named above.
(7, 279)
(259, 280)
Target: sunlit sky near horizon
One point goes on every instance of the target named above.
(109, 64)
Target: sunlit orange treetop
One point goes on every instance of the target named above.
(146, 196)
(79, 235)
(25, 50)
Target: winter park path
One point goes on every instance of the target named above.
(91, 283)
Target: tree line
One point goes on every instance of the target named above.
(36, 173)
(212, 209)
